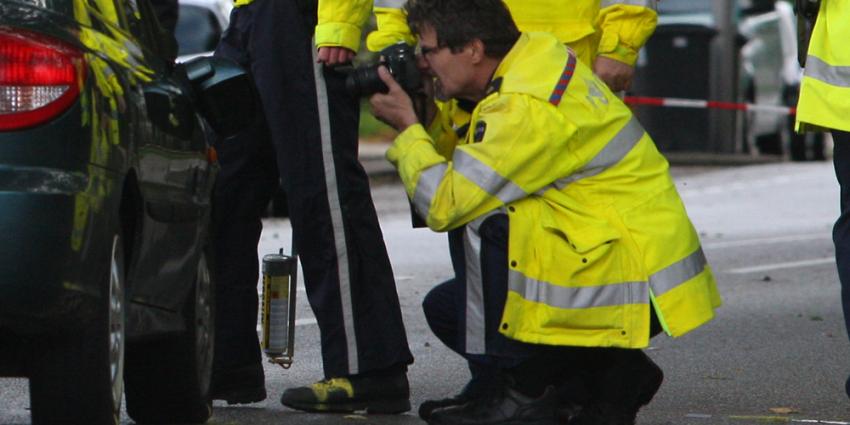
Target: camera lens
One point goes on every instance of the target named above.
(365, 81)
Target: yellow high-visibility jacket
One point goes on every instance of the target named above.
(825, 89)
(340, 21)
(597, 228)
(618, 28)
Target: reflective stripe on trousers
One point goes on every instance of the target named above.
(336, 217)
(476, 341)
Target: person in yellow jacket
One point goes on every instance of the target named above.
(824, 103)
(605, 33)
(570, 243)
(305, 139)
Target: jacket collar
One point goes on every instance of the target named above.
(533, 66)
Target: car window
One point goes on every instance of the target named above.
(197, 31)
(672, 7)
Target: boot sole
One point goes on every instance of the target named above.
(371, 407)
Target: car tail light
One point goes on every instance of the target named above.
(40, 77)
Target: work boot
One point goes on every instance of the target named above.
(651, 381)
(374, 394)
(429, 406)
(630, 387)
(476, 387)
(240, 385)
(847, 386)
(506, 406)
(603, 413)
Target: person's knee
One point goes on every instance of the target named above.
(440, 313)
(431, 305)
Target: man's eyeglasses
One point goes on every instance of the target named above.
(428, 51)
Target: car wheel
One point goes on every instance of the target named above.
(809, 146)
(773, 143)
(168, 380)
(79, 378)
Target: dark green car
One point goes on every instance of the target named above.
(106, 174)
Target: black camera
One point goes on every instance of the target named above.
(400, 60)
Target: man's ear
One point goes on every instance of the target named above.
(476, 47)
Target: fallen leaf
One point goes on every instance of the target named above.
(784, 410)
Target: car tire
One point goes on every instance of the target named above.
(768, 144)
(77, 377)
(168, 380)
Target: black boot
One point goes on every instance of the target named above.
(622, 389)
(847, 386)
(388, 393)
(476, 387)
(504, 406)
(239, 385)
(652, 377)
(429, 406)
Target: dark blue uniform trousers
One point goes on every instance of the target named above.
(305, 139)
(841, 231)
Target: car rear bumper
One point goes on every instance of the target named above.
(50, 222)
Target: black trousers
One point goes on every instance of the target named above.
(306, 140)
(577, 371)
(841, 231)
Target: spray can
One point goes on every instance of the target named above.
(278, 313)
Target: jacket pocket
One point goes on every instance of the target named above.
(579, 249)
(582, 232)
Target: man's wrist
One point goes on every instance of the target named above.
(404, 122)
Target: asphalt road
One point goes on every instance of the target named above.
(777, 351)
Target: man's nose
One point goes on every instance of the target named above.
(422, 64)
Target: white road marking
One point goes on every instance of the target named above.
(306, 321)
(785, 265)
(769, 240)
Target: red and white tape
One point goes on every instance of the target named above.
(674, 102)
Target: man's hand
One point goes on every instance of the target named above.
(334, 55)
(395, 107)
(617, 75)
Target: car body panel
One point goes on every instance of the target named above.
(62, 183)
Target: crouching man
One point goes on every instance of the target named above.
(570, 244)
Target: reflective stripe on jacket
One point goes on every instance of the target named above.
(617, 27)
(825, 89)
(340, 22)
(597, 228)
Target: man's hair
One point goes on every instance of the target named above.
(457, 22)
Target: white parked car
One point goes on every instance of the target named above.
(200, 26)
(681, 56)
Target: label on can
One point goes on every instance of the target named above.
(275, 318)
